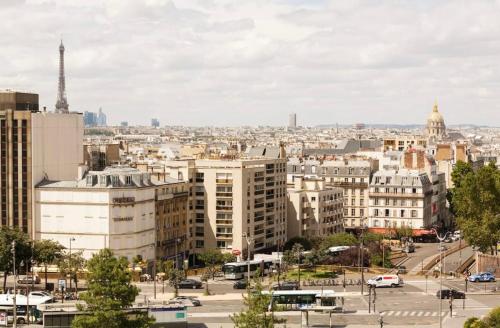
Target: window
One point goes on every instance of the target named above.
(313, 199)
(200, 244)
(414, 190)
(128, 180)
(353, 202)
(375, 223)
(376, 201)
(413, 213)
(402, 213)
(375, 213)
(387, 213)
(414, 203)
(387, 201)
(361, 202)
(361, 212)
(353, 212)
(346, 212)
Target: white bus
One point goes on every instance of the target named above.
(239, 270)
(286, 300)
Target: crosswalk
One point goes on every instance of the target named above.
(415, 313)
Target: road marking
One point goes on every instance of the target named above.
(413, 313)
(397, 313)
(420, 313)
(427, 314)
(389, 313)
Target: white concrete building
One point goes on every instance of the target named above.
(400, 198)
(114, 208)
(314, 210)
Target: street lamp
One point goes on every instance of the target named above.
(70, 265)
(441, 239)
(249, 241)
(361, 249)
(14, 312)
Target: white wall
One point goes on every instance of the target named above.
(57, 145)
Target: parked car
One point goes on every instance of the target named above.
(481, 277)
(401, 270)
(386, 280)
(447, 293)
(186, 300)
(287, 285)
(240, 284)
(410, 248)
(28, 280)
(41, 297)
(190, 283)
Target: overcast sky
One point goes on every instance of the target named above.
(252, 62)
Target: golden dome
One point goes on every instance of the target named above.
(435, 115)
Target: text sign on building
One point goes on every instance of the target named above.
(123, 200)
(125, 218)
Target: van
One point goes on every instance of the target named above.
(386, 280)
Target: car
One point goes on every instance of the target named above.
(287, 285)
(401, 269)
(410, 248)
(385, 280)
(190, 283)
(240, 284)
(481, 277)
(28, 280)
(41, 297)
(448, 293)
(186, 300)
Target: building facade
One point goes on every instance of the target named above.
(436, 128)
(33, 145)
(399, 199)
(314, 210)
(231, 199)
(114, 208)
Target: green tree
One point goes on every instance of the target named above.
(458, 174)
(492, 320)
(47, 252)
(257, 307)
(110, 291)
(306, 243)
(313, 258)
(339, 239)
(23, 250)
(69, 266)
(172, 275)
(212, 258)
(297, 250)
(476, 200)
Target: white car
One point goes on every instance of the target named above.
(40, 297)
(386, 280)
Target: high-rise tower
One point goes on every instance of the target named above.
(62, 102)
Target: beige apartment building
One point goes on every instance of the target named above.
(314, 210)
(404, 142)
(353, 176)
(33, 145)
(233, 198)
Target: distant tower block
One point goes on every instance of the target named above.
(62, 102)
(292, 120)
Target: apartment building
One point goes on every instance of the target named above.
(400, 198)
(234, 198)
(314, 210)
(172, 213)
(33, 145)
(114, 208)
(404, 142)
(353, 176)
(98, 156)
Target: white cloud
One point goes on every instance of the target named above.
(197, 62)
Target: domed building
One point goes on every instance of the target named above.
(435, 124)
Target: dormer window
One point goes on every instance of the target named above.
(115, 181)
(128, 180)
(89, 179)
(103, 179)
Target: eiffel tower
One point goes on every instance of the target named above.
(62, 102)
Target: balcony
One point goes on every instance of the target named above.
(224, 181)
(224, 207)
(362, 185)
(224, 194)
(397, 195)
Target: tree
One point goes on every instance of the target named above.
(476, 200)
(458, 174)
(23, 250)
(339, 239)
(110, 292)
(47, 252)
(306, 243)
(297, 250)
(256, 316)
(172, 275)
(70, 266)
(313, 258)
(492, 320)
(211, 258)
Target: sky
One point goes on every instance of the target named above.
(252, 62)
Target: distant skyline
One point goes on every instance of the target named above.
(253, 62)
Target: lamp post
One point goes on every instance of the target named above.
(361, 248)
(14, 312)
(154, 268)
(70, 265)
(441, 239)
(249, 241)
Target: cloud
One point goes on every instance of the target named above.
(229, 62)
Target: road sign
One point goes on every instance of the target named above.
(236, 252)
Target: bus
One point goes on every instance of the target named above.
(239, 270)
(290, 300)
(337, 250)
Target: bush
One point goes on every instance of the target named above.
(306, 243)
